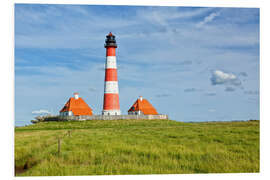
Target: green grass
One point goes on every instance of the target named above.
(136, 147)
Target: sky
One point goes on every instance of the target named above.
(192, 63)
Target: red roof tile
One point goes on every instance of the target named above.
(77, 106)
(144, 106)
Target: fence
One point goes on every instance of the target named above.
(99, 117)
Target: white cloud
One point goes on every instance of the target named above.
(41, 111)
(208, 19)
(220, 77)
(151, 24)
(211, 110)
(161, 16)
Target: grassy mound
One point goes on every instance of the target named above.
(136, 147)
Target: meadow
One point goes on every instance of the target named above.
(136, 147)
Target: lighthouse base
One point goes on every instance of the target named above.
(111, 112)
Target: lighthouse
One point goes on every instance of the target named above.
(111, 93)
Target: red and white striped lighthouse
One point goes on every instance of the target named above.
(111, 93)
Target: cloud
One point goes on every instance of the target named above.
(192, 90)
(187, 62)
(92, 89)
(211, 110)
(210, 94)
(162, 16)
(253, 100)
(163, 95)
(230, 89)
(41, 111)
(220, 78)
(252, 92)
(208, 19)
(243, 74)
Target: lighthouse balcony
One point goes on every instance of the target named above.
(110, 45)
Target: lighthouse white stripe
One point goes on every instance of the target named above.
(111, 87)
(111, 62)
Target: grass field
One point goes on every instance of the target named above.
(136, 147)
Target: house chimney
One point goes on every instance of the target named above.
(141, 98)
(76, 95)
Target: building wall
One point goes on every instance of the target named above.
(66, 113)
(115, 117)
(135, 113)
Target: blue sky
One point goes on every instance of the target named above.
(194, 64)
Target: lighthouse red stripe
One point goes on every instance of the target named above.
(111, 75)
(110, 51)
(111, 102)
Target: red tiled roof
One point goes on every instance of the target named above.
(77, 106)
(144, 106)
